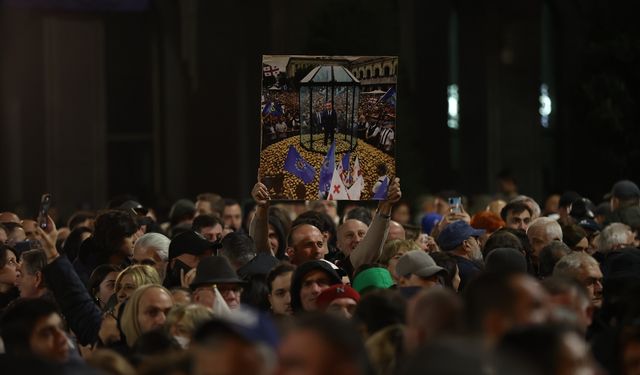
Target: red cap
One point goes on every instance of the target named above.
(334, 292)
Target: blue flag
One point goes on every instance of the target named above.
(296, 165)
(326, 172)
(346, 160)
(381, 193)
(273, 109)
(389, 97)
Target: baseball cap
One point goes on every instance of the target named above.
(375, 277)
(455, 233)
(624, 189)
(418, 263)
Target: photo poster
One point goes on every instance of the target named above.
(328, 126)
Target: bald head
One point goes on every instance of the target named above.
(396, 231)
(9, 217)
(350, 233)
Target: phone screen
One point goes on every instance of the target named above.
(455, 205)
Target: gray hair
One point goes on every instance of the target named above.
(533, 205)
(550, 226)
(614, 236)
(571, 265)
(157, 241)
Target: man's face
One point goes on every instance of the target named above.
(519, 221)
(328, 106)
(213, 233)
(350, 233)
(472, 245)
(312, 285)
(153, 308)
(203, 207)
(231, 294)
(48, 339)
(280, 296)
(30, 230)
(308, 244)
(344, 307)
(28, 283)
(539, 238)
(396, 231)
(232, 216)
(591, 277)
(150, 257)
(532, 302)
(303, 352)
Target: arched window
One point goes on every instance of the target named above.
(386, 71)
(376, 72)
(368, 73)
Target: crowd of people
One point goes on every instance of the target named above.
(302, 288)
(374, 120)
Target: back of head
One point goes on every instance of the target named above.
(505, 260)
(572, 264)
(111, 228)
(18, 322)
(546, 225)
(379, 309)
(550, 255)
(615, 235)
(486, 293)
(159, 242)
(33, 261)
(319, 220)
(535, 350)
(342, 340)
(239, 248)
(502, 238)
(204, 221)
(393, 247)
(431, 314)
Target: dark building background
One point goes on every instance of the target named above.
(162, 101)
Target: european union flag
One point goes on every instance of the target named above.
(296, 165)
(346, 159)
(273, 109)
(326, 172)
(389, 97)
(381, 193)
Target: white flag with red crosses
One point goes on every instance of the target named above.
(270, 70)
(337, 190)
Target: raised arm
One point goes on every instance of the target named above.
(82, 314)
(370, 248)
(259, 226)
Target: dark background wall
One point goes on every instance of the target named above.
(163, 102)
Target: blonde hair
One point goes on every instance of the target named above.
(393, 247)
(141, 274)
(188, 317)
(129, 320)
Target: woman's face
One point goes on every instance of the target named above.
(8, 273)
(273, 239)
(107, 288)
(127, 245)
(125, 288)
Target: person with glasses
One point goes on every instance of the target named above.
(216, 272)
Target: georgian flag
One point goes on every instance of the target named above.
(270, 71)
(337, 190)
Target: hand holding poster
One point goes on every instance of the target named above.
(328, 126)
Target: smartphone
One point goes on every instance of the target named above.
(455, 205)
(43, 213)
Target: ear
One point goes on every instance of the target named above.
(39, 280)
(290, 251)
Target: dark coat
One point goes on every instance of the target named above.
(83, 315)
